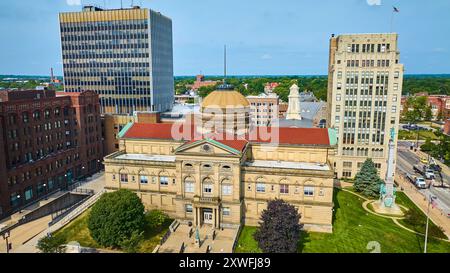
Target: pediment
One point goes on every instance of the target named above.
(207, 147)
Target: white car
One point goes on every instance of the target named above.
(420, 183)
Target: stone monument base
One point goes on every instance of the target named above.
(379, 207)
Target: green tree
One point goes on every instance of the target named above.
(156, 218)
(367, 180)
(131, 245)
(428, 115)
(116, 217)
(51, 244)
(206, 90)
(279, 230)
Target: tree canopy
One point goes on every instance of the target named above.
(367, 180)
(279, 230)
(117, 218)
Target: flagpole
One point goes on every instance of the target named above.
(426, 228)
(392, 20)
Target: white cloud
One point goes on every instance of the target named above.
(73, 2)
(374, 2)
(266, 57)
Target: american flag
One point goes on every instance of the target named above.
(396, 9)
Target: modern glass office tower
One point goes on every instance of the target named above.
(364, 92)
(125, 55)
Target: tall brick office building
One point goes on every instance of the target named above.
(47, 141)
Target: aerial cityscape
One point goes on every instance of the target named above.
(152, 127)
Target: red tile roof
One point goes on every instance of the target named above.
(285, 135)
(280, 135)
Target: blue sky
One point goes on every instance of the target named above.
(276, 37)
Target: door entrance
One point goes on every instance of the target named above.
(207, 216)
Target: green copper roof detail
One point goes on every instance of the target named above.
(332, 136)
(125, 129)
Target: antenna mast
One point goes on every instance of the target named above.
(224, 64)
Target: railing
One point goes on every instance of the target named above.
(83, 191)
(206, 199)
(236, 238)
(182, 248)
(174, 225)
(62, 213)
(82, 208)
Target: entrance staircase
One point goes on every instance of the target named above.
(182, 240)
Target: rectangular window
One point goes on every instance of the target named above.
(347, 174)
(260, 187)
(338, 108)
(207, 188)
(143, 179)
(189, 187)
(189, 208)
(164, 180)
(347, 164)
(227, 189)
(28, 193)
(308, 191)
(284, 188)
(226, 211)
(124, 178)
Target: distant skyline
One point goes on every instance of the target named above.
(264, 37)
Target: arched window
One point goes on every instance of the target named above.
(57, 111)
(47, 113)
(227, 187)
(260, 185)
(143, 177)
(37, 115)
(226, 168)
(188, 165)
(163, 179)
(189, 184)
(207, 186)
(206, 166)
(123, 176)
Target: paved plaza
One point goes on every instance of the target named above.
(222, 243)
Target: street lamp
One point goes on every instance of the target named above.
(45, 190)
(5, 237)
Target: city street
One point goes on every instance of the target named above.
(406, 159)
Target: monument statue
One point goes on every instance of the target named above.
(387, 189)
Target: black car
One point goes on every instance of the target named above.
(436, 167)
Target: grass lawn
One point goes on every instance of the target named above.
(402, 199)
(78, 231)
(353, 229)
(412, 135)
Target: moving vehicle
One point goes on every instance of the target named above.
(424, 170)
(424, 160)
(420, 183)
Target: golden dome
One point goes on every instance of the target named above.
(225, 99)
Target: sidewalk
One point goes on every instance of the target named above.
(25, 237)
(436, 215)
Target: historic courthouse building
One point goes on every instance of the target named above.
(196, 173)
